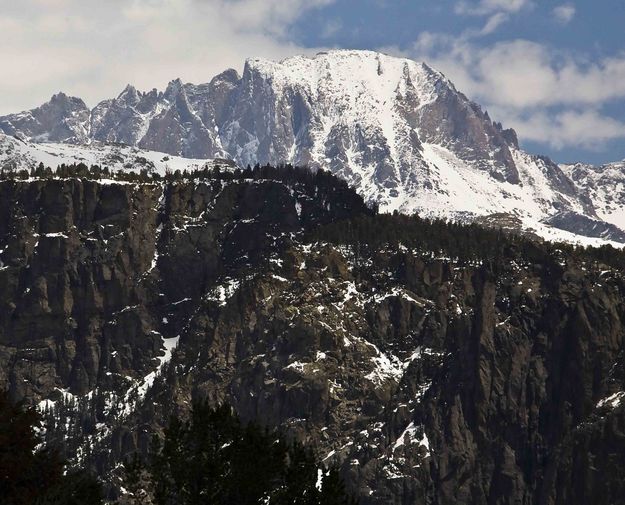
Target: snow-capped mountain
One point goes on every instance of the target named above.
(396, 130)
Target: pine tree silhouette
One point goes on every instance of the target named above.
(30, 474)
(215, 459)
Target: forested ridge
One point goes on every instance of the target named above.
(367, 227)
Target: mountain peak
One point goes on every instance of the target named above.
(228, 75)
(65, 101)
(129, 96)
(57, 97)
(129, 90)
(173, 88)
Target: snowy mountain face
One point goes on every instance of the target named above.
(181, 121)
(605, 186)
(62, 119)
(396, 130)
(17, 154)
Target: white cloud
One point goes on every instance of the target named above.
(588, 128)
(498, 12)
(91, 48)
(489, 7)
(493, 22)
(564, 13)
(268, 15)
(331, 28)
(528, 74)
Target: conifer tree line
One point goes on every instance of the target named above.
(214, 459)
(284, 173)
(459, 242)
(367, 229)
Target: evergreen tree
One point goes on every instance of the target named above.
(30, 474)
(213, 459)
(333, 489)
(75, 488)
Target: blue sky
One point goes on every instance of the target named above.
(552, 69)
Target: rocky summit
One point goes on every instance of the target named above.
(435, 363)
(396, 130)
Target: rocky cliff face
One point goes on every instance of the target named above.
(396, 130)
(429, 382)
(72, 257)
(428, 379)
